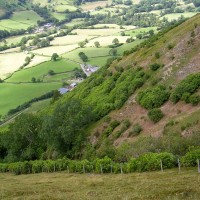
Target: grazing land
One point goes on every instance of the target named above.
(16, 94)
(150, 185)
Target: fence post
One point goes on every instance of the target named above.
(111, 169)
(67, 169)
(92, 169)
(179, 166)
(121, 168)
(198, 166)
(101, 169)
(161, 165)
(83, 168)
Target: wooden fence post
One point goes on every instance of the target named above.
(161, 165)
(84, 169)
(67, 169)
(198, 166)
(179, 166)
(111, 171)
(121, 168)
(101, 169)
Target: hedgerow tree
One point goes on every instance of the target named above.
(22, 141)
(54, 56)
(63, 130)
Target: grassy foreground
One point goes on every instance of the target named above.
(150, 185)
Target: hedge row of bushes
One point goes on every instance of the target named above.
(145, 162)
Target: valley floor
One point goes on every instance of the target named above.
(150, 185)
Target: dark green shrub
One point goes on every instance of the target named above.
(155, 66)
(153, 98)
(194, 99)
(190, 159)
(155, 115)
(157, 55)
(187, 86)
(136, 130)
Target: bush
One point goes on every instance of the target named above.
(194, 99)
(153, 98)
(136, 130)
(155, 115)
(155, 66)
(186, 88)
(190, 159)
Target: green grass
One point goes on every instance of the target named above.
(17, 94)
(41, 70)
(59, 16)
(149, 186)
(173, 16)
(38, 106)
(26, 17)
(62, 8)
(134, 32)
(128, 46)
(96, 56)
(20, 20)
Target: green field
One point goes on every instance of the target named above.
(20, 20)
(141, 186)
(175, 16)
(41, 70)
(17, 94)
(134, 32)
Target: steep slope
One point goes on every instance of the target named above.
(178, 51)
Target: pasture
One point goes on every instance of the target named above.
(91, 52)
(17, 94)
(175, 16)
(48, 51)
(64, 7)
(41, 70)
(69, 39)
(136, 31)
(11, 62)
(20, 20)
(147, 185)
(97, 32)
(107, 40)
(29, 18)
(92, 5)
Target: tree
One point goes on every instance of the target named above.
(54, 56)
(83, 57)
(155, 115)
(33, 79)
(196, 3)
(113, 52)
(97, 44)
(27, 60)
(82, 44)
(22, 140)
(115, 41)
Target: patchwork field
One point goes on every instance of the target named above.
(92, 5)
(11, 62)
(70, 39)
(173, 16)
(17, 94)
(134, 32)
(150, 185)
(40, 71)
(20, 20)
(96, 32)
(64, 7)
(105, 41)
(48, 51)
(26, 17)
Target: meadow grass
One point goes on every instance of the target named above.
(64, 7)
(13, 95)
(150, 185)
(41, 70)
(136, 31)
(26, 17)
(173, 16)
(48, 51)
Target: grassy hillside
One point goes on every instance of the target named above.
(151, 185)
